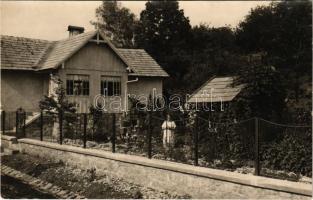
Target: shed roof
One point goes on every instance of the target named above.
(216, 89)
(18, 53)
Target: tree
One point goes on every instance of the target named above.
(213, 52)
(284, 31)
(255, 32)
(57, 103)
(117, 22)
(263, 94)
(162, 24)
(163, 31)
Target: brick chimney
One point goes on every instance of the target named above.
(75, 30)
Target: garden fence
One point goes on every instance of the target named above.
(285, 148)
(253, 144)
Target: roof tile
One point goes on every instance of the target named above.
(20, 53)
(215, 90)
(142, 63)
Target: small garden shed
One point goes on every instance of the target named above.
(215, 95)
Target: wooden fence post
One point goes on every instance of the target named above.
(196, 154)
(24, 124)
(113, 133)
(41, 126)
(85, 130)
(16, 124)
(61, 126)
(3, 122)
(150, 136)
(256, 148)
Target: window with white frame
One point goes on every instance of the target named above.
(77, 84)
(110, 85)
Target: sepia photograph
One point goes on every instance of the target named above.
(157, 99)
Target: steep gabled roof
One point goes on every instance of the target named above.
(142, 63)
(19, 53)
(216, 90)
(61, 50)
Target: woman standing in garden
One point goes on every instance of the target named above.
(168, 128)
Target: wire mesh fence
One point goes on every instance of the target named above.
(132, 135)
(250, 146)
(13, 123)
(41, 126)
(171, 138)
(226, 145)
(285, 148)
(8, 123)
(73, 129)
(88, 130)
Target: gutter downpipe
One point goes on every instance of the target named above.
(126, 92)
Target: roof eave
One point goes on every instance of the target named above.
(17, 68)
(148, 75)
(213, 101)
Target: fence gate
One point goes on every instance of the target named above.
(20, 124)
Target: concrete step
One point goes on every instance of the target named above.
(31, 118)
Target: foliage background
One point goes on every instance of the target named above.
(276, 36)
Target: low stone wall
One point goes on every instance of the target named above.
(198, 182)
(9, 144)
(7, 141)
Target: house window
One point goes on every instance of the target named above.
(110, 85)
(77, 85)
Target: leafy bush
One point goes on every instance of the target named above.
(179, 154)
(293, 153)
(69, 125)
(225, 142)
(99, 125)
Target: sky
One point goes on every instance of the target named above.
(49, 19)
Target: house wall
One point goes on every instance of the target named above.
(145, 86)
(96, 60)
(22, 89)
(25, 89)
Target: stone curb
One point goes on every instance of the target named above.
(9, 138)
(39, 184)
